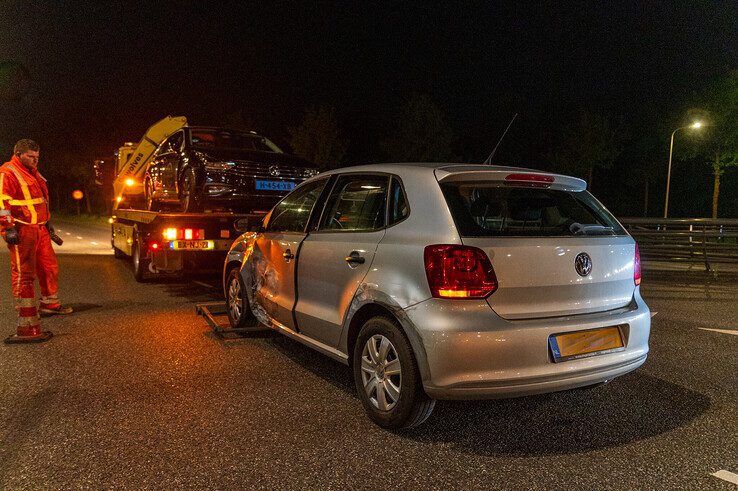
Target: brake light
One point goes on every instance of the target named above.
(637, 266)
(532, 180)
(184, 233)
(457, 271)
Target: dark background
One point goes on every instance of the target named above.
(83, 77)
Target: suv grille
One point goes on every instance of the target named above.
(262, 170)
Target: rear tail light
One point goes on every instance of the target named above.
(184, 233)
(637, 266)
(457, 271)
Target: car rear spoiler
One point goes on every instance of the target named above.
(512, 176)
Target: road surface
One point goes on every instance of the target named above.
(135, 391)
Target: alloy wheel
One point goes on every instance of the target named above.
(235, 298)
(381, 372)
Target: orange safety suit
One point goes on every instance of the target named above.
(24, 194)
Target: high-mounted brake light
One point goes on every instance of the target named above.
(637, 266)
(457, 271)
(532, 180)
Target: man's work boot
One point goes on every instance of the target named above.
(58, 309)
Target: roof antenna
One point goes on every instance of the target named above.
(489, 159)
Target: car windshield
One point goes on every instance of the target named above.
(493, 210)
(210, 139)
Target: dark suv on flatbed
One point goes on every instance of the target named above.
(200, 168)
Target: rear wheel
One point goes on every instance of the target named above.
(239, 312)
(189, 199)
(387, 376)
(140, 262)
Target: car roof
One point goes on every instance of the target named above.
(221, 128)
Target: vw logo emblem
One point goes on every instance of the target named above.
(273, 170)
(583, 264)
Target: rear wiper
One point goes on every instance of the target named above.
(594, 229)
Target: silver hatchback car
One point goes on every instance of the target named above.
(446, 281)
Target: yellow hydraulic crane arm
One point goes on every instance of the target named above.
(133, 169)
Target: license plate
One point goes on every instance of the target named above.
(262, 185)
(200, 245)
(582, 344)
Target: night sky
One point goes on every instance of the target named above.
(99, 73)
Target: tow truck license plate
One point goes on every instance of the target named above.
(201, 245)
(581, 344)
(263, 185)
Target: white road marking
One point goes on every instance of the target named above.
(67, 233)
(202, 284)
(93, 242)
(726, 476)
(78, 237)
(724, 331)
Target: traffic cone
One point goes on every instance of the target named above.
(29, 328)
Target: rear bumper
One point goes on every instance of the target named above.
(471, 353)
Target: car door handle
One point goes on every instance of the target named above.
(354, 258)
(287, 255)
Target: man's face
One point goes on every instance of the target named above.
(29, 158)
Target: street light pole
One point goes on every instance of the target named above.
(668, 173)
(696, 125)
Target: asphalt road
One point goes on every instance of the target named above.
(135, 391)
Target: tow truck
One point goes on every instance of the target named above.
(164, 242)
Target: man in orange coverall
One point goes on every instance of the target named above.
(24, 215)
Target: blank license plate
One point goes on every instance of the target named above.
(581, 344)
(263, 185)
(201, 245)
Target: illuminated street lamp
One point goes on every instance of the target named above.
(695, 126)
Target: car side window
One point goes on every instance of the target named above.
(175, 141)
(292, 213)
(398, 208)
(357, 204)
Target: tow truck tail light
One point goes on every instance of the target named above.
(637, 266)
(184, 233)
(458, 271)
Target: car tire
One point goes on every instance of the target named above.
(140, 263)
(237, 302)
(152, 204)
(189, 199)
(392, 409)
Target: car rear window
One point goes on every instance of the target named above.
(494, 210)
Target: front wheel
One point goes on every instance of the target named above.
(151, 203)
(239, 313)
(387, 376)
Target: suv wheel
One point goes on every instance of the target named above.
(387, 377)
(239, 313)
(189, 200)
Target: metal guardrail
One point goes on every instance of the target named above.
(702, 240)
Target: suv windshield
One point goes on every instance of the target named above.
(493, 210)
(210, 139)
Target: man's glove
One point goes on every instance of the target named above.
(11, 236)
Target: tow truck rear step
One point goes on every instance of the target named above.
(214, 312)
